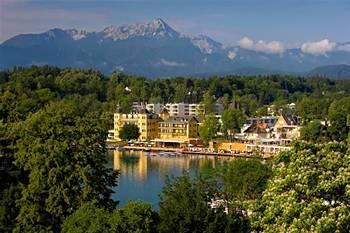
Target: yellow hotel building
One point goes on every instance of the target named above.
(183, 128)
(147, 123)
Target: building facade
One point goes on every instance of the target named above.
(286, 129)
(180, 109)
(146, 122)
(182, 128)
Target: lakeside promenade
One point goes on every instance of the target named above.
(199, 151)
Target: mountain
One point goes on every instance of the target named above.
(155, 49)
(333, 71)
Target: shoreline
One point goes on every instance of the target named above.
(188, 152)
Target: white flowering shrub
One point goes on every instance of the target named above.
(309, 192)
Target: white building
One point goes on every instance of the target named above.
(181, 109)
(155, 108)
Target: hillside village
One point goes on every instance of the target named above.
(176, 126)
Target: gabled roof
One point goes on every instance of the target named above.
(200, 118)
(164, 111)
(289, 119)
(257, 128)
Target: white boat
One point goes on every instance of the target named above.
(170, 153)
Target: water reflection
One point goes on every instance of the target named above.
(142, 174)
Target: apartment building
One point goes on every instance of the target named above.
(269, 120)
(155, 108)
(181, 109)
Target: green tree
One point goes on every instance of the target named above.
(184, 205)
(248, 104)
(312, 132)
(129, 132)
(12, 178)
(89, 218)
(262, 111)
(232, 121)
(209, 128)
(62, 148)
(348, 124)
(245, 179)
(209, 103)
(225, 101)
(309, 191)
(311, 108)
(184, 208)
(338, 112)
(134, 217)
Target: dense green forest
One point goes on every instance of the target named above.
(53, 128)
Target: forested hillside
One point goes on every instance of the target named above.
(335, 71)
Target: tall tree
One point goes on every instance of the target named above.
(134, 217)
(184, 208)
(62, 148)
(232, 121)
(245, 179)
(248, 104)
(338, 112)
(209, 128)
(311, 108)
(312, 132)
(88, 218)
(209, 103)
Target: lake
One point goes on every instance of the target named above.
(142, 175)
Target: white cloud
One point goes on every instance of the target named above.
(270, 47)
(318, 47)
(344, 47)
(246, 43)
(262, 46)
(231, 55)
(170, 63)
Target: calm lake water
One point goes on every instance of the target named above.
(142, 175)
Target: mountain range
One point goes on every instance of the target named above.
(154, 49)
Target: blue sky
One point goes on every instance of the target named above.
(290, 21)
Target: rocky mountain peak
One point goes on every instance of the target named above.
(77, 34)
(155, 28)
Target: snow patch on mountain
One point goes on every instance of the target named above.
(77, 34)
(51, 34)
(232, 55)
(206, 44)
(155, 28)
